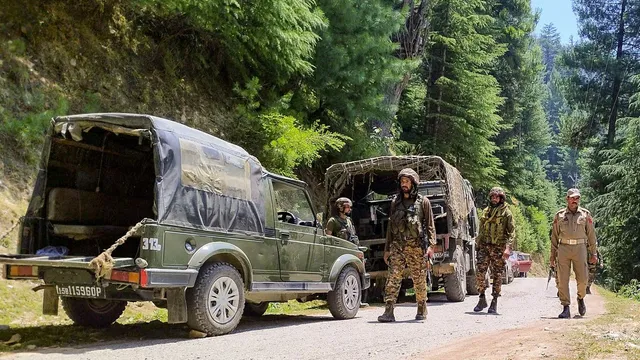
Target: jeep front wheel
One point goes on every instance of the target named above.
(93, 313)
(344, 299)
(216, 302)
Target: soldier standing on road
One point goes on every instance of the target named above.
(405, 246)
(341, 225)
(497, 232)
(592, 272)
(572, 236)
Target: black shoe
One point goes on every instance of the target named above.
(422, 311)
(388, 314)
(582, 308)
(493, 308)
(566, 313)
(482, 303)
(588, 290)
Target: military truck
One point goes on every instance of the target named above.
(372, 183)
(192, 223)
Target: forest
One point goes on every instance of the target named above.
(303, 84)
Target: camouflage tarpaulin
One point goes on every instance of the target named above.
(338, 176)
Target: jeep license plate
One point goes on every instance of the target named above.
(85, 291)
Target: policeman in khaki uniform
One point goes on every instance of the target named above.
(571, 236)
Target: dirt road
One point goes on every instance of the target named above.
(449, 326)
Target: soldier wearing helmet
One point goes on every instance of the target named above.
(410, 222)
(341, 225)
(497, 232)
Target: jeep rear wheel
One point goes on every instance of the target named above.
(455, 285)
(216, 302)
(344, 300)
(93, 313)
(257, 310)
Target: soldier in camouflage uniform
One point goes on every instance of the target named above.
(405, 246)
(572, 238)
(341, 225)
(497, 232)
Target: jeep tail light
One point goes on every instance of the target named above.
(125, 276)
(23, 271)
(437, 248)
(144, 278)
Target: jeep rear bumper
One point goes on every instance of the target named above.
(165, 278)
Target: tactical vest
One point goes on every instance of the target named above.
(406, 222)
(494, 224)
(347, 230)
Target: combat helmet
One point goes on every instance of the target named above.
(497, 191)
(411, 174)
(341, 202)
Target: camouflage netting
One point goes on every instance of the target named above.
(338, 176)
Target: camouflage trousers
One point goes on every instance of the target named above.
(490, 256)
(408, 255)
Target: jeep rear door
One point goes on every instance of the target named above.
(301, 255)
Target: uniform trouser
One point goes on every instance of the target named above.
(401, 256)
(490, 255)
(576, 256)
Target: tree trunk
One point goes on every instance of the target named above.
(617, 81)
(412, 39)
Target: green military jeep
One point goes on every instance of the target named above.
(203, 229)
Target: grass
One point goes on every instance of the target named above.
(614, 335)
(22, 312)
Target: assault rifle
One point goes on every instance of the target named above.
(552, 271)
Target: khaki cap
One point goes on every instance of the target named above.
(573, 193)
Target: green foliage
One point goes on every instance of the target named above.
(617, 210)
(462, 98)
(293, 145)
(279, 141)
(631, 290)
(532, 228)
(355, 65)
(271, 39)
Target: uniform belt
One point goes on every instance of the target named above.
(573, 241)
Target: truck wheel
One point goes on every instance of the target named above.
(455, 284)
(256, 310)
(93, 313)
(344, 300)
(472, 285)
(216, 302)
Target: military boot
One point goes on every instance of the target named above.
(482, 303)
(566, 313)
(388, 314)
(582, 308)
(493, 308)
(422, 311)
(588, 290)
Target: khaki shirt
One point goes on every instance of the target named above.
(568, 225)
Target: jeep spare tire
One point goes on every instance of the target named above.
(216, 302)
(93, 312)
(344, 299)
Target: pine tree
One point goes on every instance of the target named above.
(462, 97)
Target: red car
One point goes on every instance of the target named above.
(520, 263)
